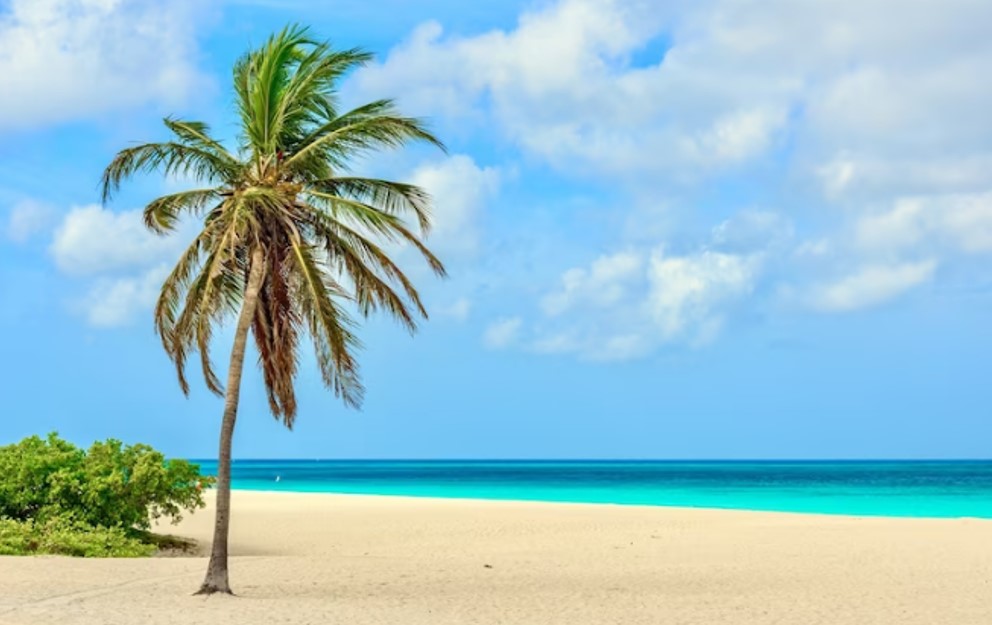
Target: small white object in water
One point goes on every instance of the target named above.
(278, 478)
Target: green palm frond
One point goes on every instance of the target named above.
(197, 134)
(162, 214)
(171, 159)
(395, 198)
(378, 221)
(374, 275)
(330, 326)
(371, 127)
(309, 97)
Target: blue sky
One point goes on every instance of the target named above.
(718, 229)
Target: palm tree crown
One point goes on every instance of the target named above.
(284, 200)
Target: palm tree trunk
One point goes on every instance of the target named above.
(216, 579)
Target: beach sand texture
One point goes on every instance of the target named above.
(355, 560)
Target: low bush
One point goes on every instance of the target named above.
(17, 537)
(69, 538)
(58, 499)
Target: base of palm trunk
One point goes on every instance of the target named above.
(209, 588)
(216, 580)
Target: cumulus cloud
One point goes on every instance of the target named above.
(727, 82)
(69, 59)
(121, 263)
(871, 285)
(686, 292)
(561, 86)
(736, 137)
(92, 240)
(877, 138)
(631, 303)
(864, 111)
(603, 284)
(636, 301)
(460, 189)
(113, 302)
(959, 221)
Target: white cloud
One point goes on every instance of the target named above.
(870, 286)
(551, 51)
(28, 218)
(122, 262)
(899, 228)
(686, 293)
(460, 190)
(877, 139)
(737, 136)
(563, 86)
(602, 285)
(630, 304)
(116, 302)
(502, 333)
(961, 222)
(560, 85)
(70, 59)
(92, 240)
(863, 111)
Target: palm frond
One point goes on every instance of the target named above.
(197, 134)
(277, 327)
(162, 214)
(364, 262)
(310, 94)
(371, 127)
(381, 223)
(261, 77)
(167, 307)
(330, 327)
(168, 158)
(395, 198)
(215, 293)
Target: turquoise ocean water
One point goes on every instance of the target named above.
(887, 488)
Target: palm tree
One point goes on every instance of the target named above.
(290, 241)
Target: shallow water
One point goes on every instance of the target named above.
(886, 488)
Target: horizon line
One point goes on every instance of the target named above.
(604, 460)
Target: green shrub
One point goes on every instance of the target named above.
(17, 537)
(74, 538)
(111, 485)
(58, 499)
(39, 476)
(69, 538)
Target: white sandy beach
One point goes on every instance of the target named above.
(355, 560)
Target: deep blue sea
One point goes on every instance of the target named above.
(887, 488)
